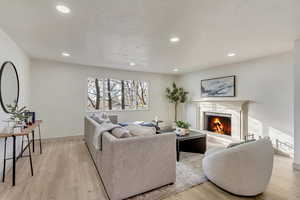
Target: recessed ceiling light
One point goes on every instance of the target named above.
(65, 54)
(63, 9)
(132, 64)
(231, 54)
(175, 70)
(174, 39)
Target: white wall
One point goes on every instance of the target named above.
(11, 52)
(267, 82)
(297, 104)
(59, 95)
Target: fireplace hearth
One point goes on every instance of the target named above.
(218, 123)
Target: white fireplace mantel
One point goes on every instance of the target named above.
(237, 108)
(239, 103)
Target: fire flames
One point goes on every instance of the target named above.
(221, 125)
(218, 126)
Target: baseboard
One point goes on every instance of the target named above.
(281, 153)
(63, 139)
(296, 166)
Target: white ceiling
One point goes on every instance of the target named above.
(112, 33)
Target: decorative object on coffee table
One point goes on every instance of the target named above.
(182, 128)
(176, 95)
(157, 121)
(218, 87)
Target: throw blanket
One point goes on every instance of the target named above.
(97, 141)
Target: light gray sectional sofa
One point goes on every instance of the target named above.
(134, 165)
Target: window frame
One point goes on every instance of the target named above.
(102, 100)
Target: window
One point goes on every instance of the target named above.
(141, 94)
(129, 95)
(95, 94)
(112, 94)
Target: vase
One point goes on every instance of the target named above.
(182, 131)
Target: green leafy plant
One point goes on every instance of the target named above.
(176, 95)
(17, 114)
(182, 124)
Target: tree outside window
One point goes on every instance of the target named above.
(95, 94)
(113, 94)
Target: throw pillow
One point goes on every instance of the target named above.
(137, 130)
(120, 133)
(123, 124)
(100, 117)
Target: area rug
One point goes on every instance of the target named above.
(189, 173)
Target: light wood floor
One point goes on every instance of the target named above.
(65, 171)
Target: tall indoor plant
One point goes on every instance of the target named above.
(176, 95)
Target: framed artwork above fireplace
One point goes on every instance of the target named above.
(218, 87)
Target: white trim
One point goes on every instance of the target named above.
(94, 111)
(222, 101)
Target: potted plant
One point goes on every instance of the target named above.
(176, 95)
(18, 115)
(182, 128)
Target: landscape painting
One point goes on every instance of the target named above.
(218, 87)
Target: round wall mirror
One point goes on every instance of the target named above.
(9, 85)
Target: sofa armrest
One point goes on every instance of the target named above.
(138, 164)
(90, 127)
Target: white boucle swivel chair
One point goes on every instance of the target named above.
(243, 170)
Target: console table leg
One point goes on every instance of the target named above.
(30, 159)
(4, 160)
(22, 145)
(40, 138)
(14, 161)
(32, 141)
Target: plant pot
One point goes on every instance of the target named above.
(182, 131)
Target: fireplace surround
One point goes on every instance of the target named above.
(237, 109)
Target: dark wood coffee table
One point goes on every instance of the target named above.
(194, 142)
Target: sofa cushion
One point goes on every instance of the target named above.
(147, 124)
(100, 117)
(121, 133)
(123, 124)
(137, 130)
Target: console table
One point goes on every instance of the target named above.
(25, 132)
